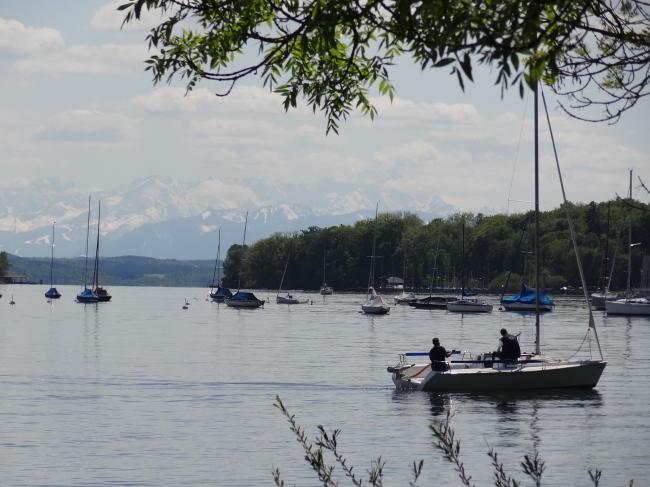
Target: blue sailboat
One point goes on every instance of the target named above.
(524, 300)
(52, 293)
(87, 295)
(222, 293)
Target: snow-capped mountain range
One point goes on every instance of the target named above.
(166, 218)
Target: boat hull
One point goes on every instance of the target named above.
(525, 307)
(628, 308)
(51, 294)
(598, 300)
(469, 307)
(326, 291)
(584, 374)
(375, 310)
(244, 303)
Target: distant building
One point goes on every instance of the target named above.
(395, 282)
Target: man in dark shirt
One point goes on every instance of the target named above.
(438, 356)
(508, 346)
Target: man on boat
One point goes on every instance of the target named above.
(438, 356)
(508, 347)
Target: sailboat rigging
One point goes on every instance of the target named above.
(288, 298)
(375, 303)
(87, 295)
(433, 302)
(630, 305)
(325, 290)
(243, 299)
(102, 294)
(52, 293)
(222, 293)
(468, 303)
(484, 372)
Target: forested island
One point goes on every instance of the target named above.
(491, 243)
(490, 246)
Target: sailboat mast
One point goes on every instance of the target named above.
(371, 278)
(537, 327)
(609, 207)
(52, 263)
(87, 237)
(324, 266)
(629, 255)
(217, 263)
(241, 257)
(96, 273)
(462, 269)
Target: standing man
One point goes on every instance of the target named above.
(438, 356)
(508, 346)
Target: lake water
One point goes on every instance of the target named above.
(140, 392)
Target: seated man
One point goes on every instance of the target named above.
(508, 347)
(438, 356)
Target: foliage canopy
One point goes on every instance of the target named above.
(331, 52)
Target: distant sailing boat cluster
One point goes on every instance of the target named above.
(94, 294)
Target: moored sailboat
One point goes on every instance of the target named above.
(325, 290)
(483, 372)
(467, 303)
(102, 293)
(288, 298)
(243, 299)
(375, 303)
(222, 293)
(52, 293)
(630, 305)
(433, 302)
(87, 295)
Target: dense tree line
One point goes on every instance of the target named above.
(5, 265)
(490, 246)
(119, 271)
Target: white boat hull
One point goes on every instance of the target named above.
(639, 307)
(326, 291)
(375, 310)
(464, 306)
(516, 377)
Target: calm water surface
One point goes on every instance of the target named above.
(140, 392)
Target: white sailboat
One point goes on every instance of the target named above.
(288, 298)
(483, 372)
(243, 299)
(375, 304)
(325, 290)
(405, 298)
(468, 304)
(630, 305)
(598, 299)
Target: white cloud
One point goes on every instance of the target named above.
(242, 99)
(107, 17)
(17, 182)
(239, 132)
(72, 128)
(107, 59)
(16, 39)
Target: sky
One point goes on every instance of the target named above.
(76, 103)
